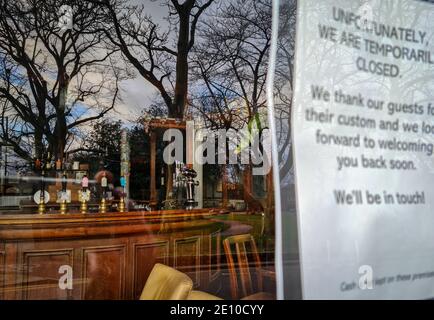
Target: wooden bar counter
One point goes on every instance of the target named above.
(110, 255)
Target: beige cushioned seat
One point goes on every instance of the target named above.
(166, 283)
(200, 295)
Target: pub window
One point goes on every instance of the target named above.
(247, 159)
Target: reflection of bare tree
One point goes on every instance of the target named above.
(229, 67)
(148, 48)
(50, 78)
(230, 63)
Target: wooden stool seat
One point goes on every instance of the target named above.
(260, 296)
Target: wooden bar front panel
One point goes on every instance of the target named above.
(2, 269)
(110, 255)
(145, 256)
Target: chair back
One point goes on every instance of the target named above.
(166, 283)
(240, 266)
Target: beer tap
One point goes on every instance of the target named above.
(39, 166)
(189, 175)
(103, 204)
(63, 194)
(122, 198)
(84, 194)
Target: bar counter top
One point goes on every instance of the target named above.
(51, 226)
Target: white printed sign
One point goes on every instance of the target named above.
(363, 134)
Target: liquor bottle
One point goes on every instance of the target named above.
(64, 181)
(58, 165)
(38, 164)
(104, 181)
(48, 163)
(84, 182)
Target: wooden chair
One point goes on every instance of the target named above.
(242, 268)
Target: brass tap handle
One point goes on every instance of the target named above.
(103, 206)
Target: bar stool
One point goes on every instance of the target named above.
(241, 268)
